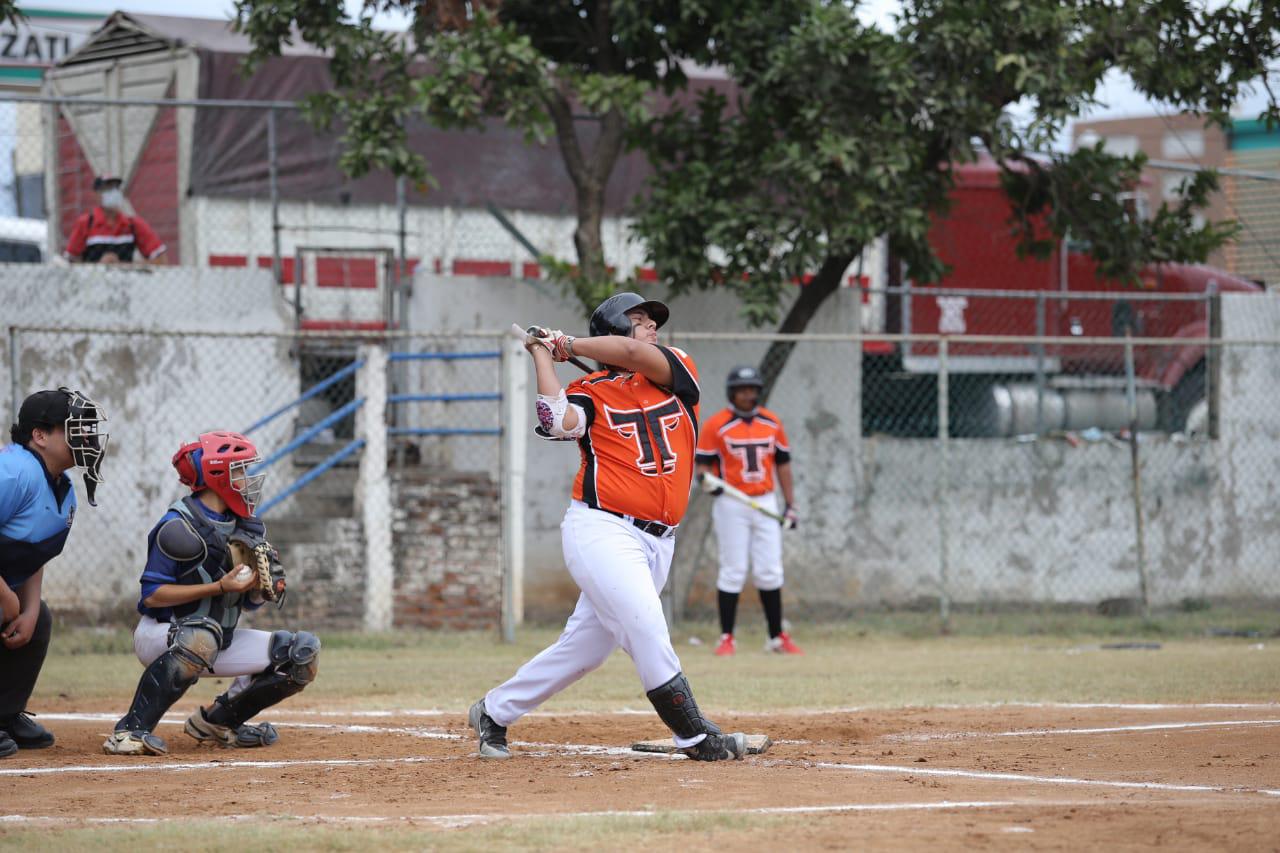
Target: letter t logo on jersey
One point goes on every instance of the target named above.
(750, 454)
(648, 428)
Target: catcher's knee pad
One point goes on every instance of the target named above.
(193, 647)
(296, 655)
(675, 706)
(294, 661)
(196, 641)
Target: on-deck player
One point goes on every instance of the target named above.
(744, 445)
(636, 423)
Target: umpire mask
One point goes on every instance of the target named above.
(86, 438)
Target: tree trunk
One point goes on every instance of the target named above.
(590, 175)
(812, 295)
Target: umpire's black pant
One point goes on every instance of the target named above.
(20, 667)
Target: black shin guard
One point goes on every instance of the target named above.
(168, 677)
(771, 600)
(728, 610)
(295, 660)
(675, 706)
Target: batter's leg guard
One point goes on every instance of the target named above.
(294, 663)
(675, 706)
(193, 647)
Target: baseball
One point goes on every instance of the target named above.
(244, 574)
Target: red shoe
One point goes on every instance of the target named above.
(726, 647)
(782, 645)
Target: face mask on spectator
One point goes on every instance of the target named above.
(113, 197)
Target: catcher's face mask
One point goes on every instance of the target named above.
(249, 486)
(86, 439)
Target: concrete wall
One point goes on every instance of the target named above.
(158, 391)
(1039, 521)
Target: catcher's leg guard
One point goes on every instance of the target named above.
(193, 647)
(674, 703)
(294, 662)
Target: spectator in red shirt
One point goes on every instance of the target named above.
(108, 235)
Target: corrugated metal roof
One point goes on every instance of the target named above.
(129, 34)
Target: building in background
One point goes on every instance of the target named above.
(28, 48)
(203, 177)
(1184, 140)
(1256, 203)
(1181, 139)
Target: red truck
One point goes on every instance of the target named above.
(1001, 389)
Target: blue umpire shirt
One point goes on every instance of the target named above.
(36, 513)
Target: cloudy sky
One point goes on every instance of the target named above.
(1117, 95)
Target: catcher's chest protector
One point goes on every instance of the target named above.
(224, 609)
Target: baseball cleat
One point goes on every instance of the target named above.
(726, 646)
(493, 737)
(782, 645)
(199, 727)
(26, 732)
(244, 736)
(134, 743)
(718, 747)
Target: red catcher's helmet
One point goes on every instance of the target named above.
(220, 461)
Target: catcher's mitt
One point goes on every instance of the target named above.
(265, 562)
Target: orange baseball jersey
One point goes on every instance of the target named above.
(746, 450)
(638, 450)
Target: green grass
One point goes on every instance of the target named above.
(682, 831)
(879, 660)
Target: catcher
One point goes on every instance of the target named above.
(207, 560)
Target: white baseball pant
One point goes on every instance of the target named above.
(620, 571)
(248, 654)
(747, 538)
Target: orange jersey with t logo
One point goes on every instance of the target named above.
(638, 450)
(746, 450)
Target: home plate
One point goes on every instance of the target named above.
(756, 744)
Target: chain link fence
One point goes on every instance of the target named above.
(1096, 481)
(1074, 514)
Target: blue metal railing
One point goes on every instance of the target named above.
(308, 434)
(442, 398)
(444, 431)
(298, 484)
(443, 356)
(307, 395)
(355, 445)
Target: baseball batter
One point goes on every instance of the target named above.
(745, 445)
(636, 423)
(193, 592)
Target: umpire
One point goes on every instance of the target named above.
(56, 431)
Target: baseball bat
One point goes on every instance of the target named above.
(522, 335)
(710, 482)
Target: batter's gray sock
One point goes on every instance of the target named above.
(728, 610)
(772, 601)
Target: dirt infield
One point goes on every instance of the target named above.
(1176, 776)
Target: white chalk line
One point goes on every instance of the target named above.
(809, 712)
(463, 820)
(1148, 727)
(1043, 780)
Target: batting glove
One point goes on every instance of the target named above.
(792, 517)
(556, 342)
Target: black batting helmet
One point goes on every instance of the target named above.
(743, 377)
(610, 318)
